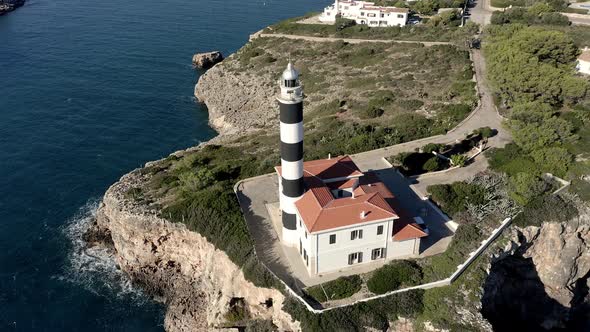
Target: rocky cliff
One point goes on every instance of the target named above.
(541, 279)
(202, 287)
(237, 113)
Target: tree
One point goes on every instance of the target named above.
(525, 187)
(555, 160)
(534, 135)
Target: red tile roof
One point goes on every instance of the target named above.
(340, 212)
(320, 211)
(405, 229)
(329, 169)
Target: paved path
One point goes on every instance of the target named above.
(484, 115)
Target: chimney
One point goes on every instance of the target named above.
(329, 156)
(363, 214)
(586, 48)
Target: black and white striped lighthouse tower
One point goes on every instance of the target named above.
(291, 187)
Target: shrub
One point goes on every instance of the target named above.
(524, 187)
(340, 288)
(459, 160)
(410, 104)
(511, 160)
(485, 132)
(432, 147)
(551, 208)
(371, 112)
(455, 197)
(554, 160)
(395, 275)
(431, 165)
(343, 23)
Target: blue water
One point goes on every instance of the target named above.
(90, 90)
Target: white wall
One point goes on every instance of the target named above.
(332, 257)
(583, 67)
(402, 248)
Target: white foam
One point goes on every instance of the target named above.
(95, 268)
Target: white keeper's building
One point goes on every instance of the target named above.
(334, 214)
(366, 13)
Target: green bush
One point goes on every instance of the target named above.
(410, 104)
(371, 112)
(459, 160)
(525, 187)
(511, 160)
(467, 238)
(555, 160)
(394, 276)
(374, 314)
(549, 208)
(432, 147)
(485, 132)
(454, 198)
(431, 165)
(340, 288)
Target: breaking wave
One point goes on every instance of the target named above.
(95, 268)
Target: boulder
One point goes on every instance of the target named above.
(207, 60)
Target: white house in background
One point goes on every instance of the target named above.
(367, 13)
(583, 65)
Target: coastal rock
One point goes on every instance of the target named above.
(238, 102)
(542, 277)
(195, 280)
(207, 60)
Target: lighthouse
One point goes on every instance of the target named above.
(291, 185)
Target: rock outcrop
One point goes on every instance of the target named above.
(253, 108)
(197, 281)
(207, 60)
(542, 278)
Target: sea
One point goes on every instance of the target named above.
(90, 90)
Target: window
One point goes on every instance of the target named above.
(400, 16)
(306, 234)
(300, 247)
(370, 15)
(377, 253)
(332, 238)
(355, 257)
(305, 257)
(382, 15)
(299, 223)
(358, 234)
(362, 13)
(379, 230)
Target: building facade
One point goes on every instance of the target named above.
(583, 63)
(366, 13)
(334, 214)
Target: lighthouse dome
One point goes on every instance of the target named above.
(290, 74)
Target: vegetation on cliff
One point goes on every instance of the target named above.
(547, 104)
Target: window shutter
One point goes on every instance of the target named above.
(383, 253)
(350, 259)
(360, 257)
(360, 234)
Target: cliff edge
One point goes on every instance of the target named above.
(202, 288)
